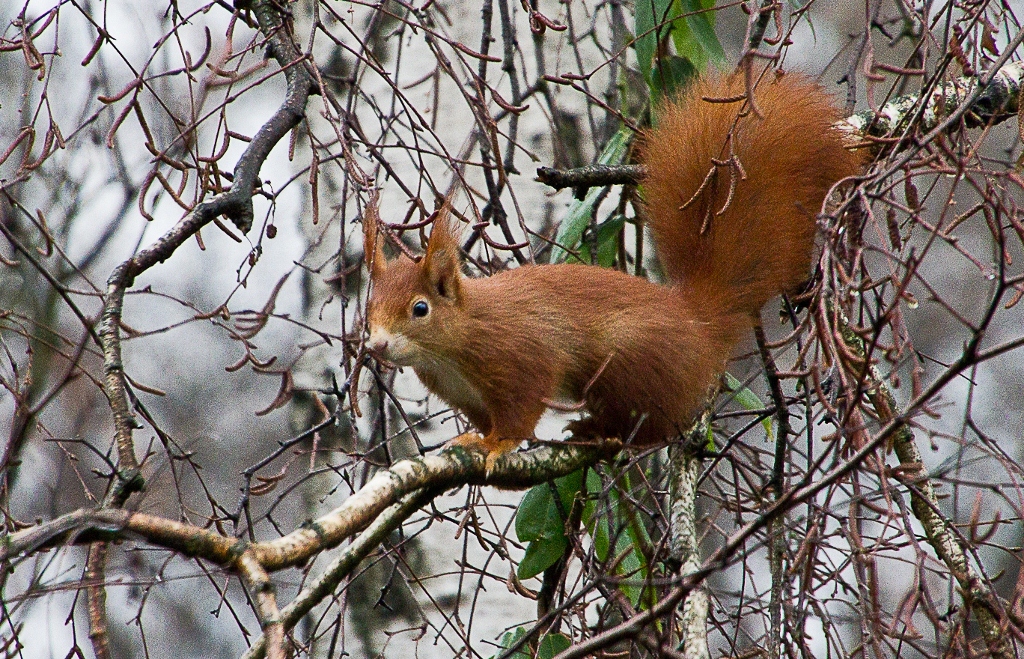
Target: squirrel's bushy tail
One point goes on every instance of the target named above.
(770, 174)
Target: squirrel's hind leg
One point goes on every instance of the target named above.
(586, 429)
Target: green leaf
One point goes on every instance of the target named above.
(631, 567)
(600, 522)
(607, 242)
(691, 25)
(694, 36)
(594, 486)
(533, 513)
(710, 446)
(683, 37)
(580, 211)
(648, 13)
(748, 400)
(597, 527)
(509, 639)
(540, 555)
(551, 645)
(568, 487)
(671, 75)
(602, 539)
(539, 516)
(634, 535)
(540, 521)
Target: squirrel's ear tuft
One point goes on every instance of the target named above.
(443, 262)
(376, 262)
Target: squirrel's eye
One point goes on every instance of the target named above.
(420, 309)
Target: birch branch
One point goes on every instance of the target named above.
(449, 469)
(686, 467)
(983, 602)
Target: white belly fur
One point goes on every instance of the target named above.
(448, 383)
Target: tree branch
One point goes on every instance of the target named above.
(325, 584)
(989, 99)
(235, 204)
(983, 602)
(686, 466)
(450, 469)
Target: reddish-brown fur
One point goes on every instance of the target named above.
(761, 244)
(500, 348)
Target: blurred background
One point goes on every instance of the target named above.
(117, 117)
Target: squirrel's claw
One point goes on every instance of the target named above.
(492, 459)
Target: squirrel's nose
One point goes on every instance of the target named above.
(378, 342)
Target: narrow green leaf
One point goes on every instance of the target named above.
(748, 400)
(710, 445)
(701, 24)
(596, 525)
(631, 567)
(647, 15)
(634, 536)
(600, 520)
(602, 539)
(686, 43)
(607, 241)
(580, 211)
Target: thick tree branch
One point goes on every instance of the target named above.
(450, 469)
(686, 466)
(404, 488)
(325, 584)
(590, 176)
(262, 592)
(992, 103)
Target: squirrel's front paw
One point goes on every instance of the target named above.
(490, 446)
(470, 440)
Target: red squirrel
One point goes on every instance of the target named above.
(732, 199)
